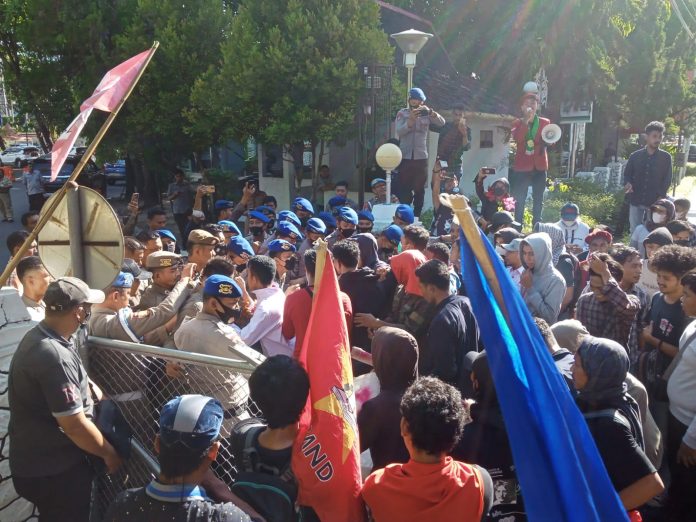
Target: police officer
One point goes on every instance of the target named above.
(347, 222)
(283, 253)
(166, 270)
(50, 429)
(315, 229)
(200, 247)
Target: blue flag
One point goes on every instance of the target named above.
(560, 471)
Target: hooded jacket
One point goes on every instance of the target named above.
(641, 233)
(366, 296)
(545, 296)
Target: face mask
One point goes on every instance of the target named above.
(228, 313)
(499, 191)
(658, 218)
(256, 231)
(304, 221)
(171, 247)
(347, 232)
(569, 222)
(365, 230)
(682, 242)
(290, 264)
(241, 268)
(387, 251)
(220, 250)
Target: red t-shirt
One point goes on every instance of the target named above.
(298, 307)
(418, 492)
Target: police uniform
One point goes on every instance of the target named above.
(155, 293)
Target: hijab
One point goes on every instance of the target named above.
(395, 358)
(368, 250)
(404, 269)
(606, 364)
(569, 334)
(557, 239)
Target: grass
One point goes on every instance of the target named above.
(686, 187)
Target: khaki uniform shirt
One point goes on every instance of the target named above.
(152, 296)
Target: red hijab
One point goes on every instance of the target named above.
(404, 267)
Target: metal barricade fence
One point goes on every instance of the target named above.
(141, 379)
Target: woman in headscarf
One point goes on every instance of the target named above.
(368, 251)
(599, 375)
(395, 361)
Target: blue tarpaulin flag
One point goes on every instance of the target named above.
(560, 471)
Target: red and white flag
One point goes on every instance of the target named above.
(105, 97)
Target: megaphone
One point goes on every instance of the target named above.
(551, 134)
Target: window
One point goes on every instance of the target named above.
(486, 139)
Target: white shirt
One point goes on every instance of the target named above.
(266, 323)
(648, 280)
(515, 275)
(681, 387)
(575, 234)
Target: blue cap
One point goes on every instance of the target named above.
(229, 226)
(163, 232)
(280, 245)
(259, 215)
(285, 228)
(223, 203)
(221, 286)
(327, 218)
(393, 233)
(337, 201)
(316, 225)
(405, 213)
(348, 215)
(366, 214)
(265, 210)
(416, 94)
(193, 421)
(377, 181)
(123, 280)
(289, 215)
(303, 204)
(238, 246)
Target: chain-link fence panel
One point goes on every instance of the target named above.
(140, 379)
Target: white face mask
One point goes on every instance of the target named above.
(658, 218)
(568, 223)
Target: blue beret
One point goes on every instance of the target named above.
(366, 214)
(327, 218)
(223, 203)
(123, 280)
(289, 215)
(265, 210)
(221, 286)
(393, 233)
(280, 245)
(259, 215)
(229, 226)
(238, 246)
(348, 215)
(416, 94)
(316, 225)
(337, 201)
(163, 232)
(285, 228)
(377, 181)
(405, 213)
(303, 204)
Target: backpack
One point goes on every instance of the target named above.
(271, 491)
(577, 280)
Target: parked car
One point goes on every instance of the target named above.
(692, 154)
(90, 176)
(115, 171)
(18, 156)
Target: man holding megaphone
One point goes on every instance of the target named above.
(531, 161)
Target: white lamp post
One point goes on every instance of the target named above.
(388, 156)
(410, 42)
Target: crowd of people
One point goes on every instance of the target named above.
(239, 279)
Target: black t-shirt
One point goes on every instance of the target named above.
(565, 267)
(668, 320)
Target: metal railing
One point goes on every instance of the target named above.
(142, 378)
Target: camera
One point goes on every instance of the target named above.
(423, 112)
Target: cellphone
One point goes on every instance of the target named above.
(134, 197)
(423, 112)
(443, 164)
(488, 170)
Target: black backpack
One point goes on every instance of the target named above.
(271, 491)
(577, 280)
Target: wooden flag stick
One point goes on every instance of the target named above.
(52, 202)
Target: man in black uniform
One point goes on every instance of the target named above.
(51, 430)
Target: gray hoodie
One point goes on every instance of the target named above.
(545, 296)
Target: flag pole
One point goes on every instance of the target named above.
(52, 202)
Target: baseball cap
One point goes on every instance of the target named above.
(599, 234)
(280, 245)
(393, 233)
(405, 213)
(198, 214)
(131, 267)
(193, 421)
(570, 209)
(303, 204)
(348, 215)
(514, 245)
(162, 259)
(163, 232)
(223, 203)
(255, 214)
(123, 280)
(377, 181)
(66, 292)
(327, 218)
(503, 218)
(289, 215)
(285, 228)
(221, 286)
(202, 237)
(337, 201)
(366, 214)
(316, 225)
(229, 226)
(238, 246)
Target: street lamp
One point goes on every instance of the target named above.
(410, 42)
(388, 156)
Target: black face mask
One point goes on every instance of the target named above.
(347, 232)
(240, 268)
(290, 263)
(228, 313)
(256, 231)
(499, 191)
(365, 230)
(387, 251)
(220, 250)
(304, 221)
(682, 242)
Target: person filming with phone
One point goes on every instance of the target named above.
(412, 125)
(494, 199)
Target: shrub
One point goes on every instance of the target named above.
(597, 205)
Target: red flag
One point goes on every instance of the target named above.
(326, 456)
(105, 97)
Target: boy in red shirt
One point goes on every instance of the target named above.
(431, 486)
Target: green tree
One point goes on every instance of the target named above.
(289, 73)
